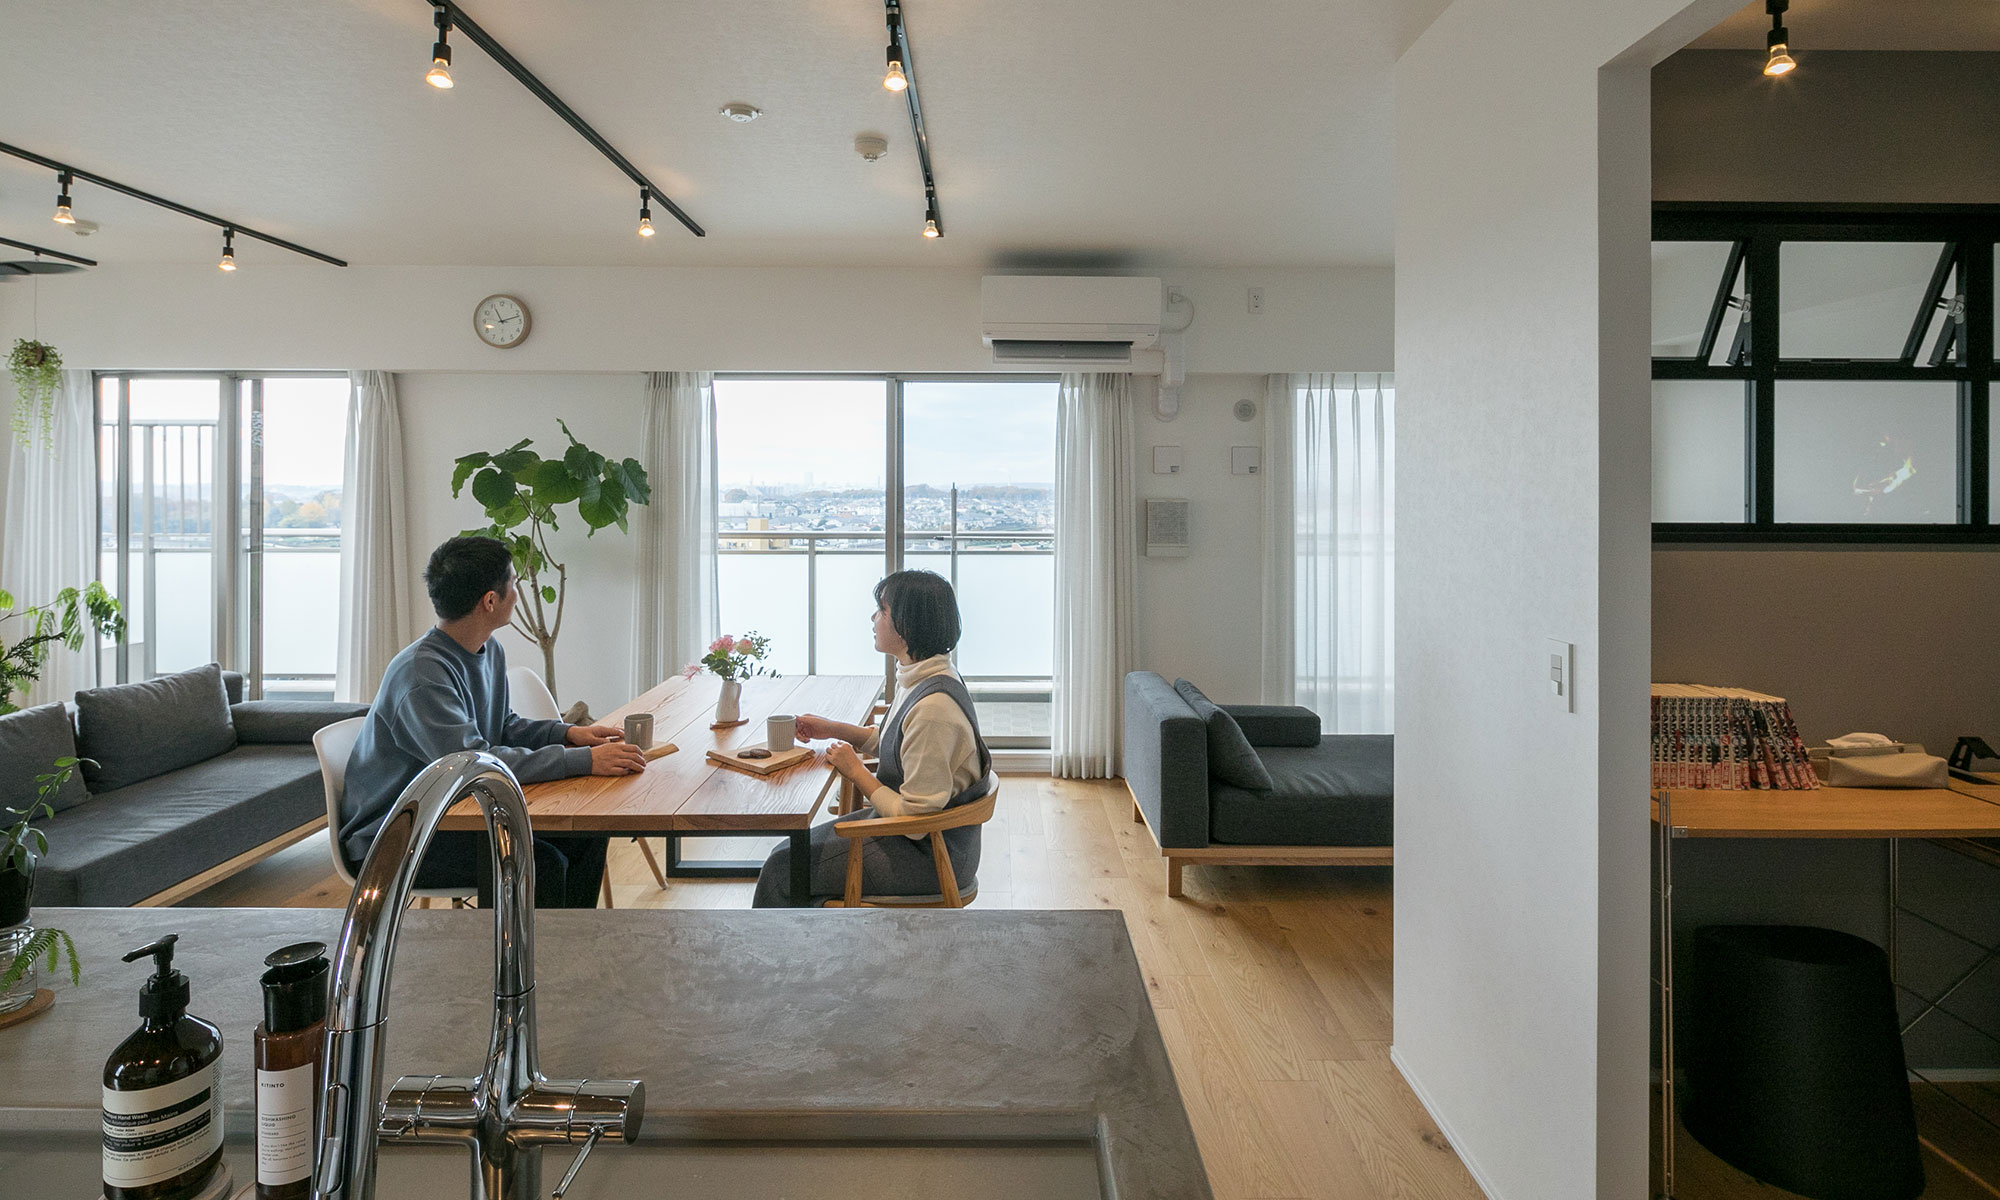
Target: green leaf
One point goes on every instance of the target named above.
(493, 490)
(596, 512)
(637, 486)
(466, 466)
(548, 595)
(520, 464)
(6, 600)
(554, 485)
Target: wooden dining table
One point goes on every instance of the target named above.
(685, 794)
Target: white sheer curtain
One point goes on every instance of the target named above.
(1097, 558)
(50, 540)
(376, 571)
(1330, 548)
(674, 607)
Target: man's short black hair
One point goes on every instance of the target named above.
(923, 609)
(463, 570)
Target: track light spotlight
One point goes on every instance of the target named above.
(931, 229)
(1778, 42)
(228, 262)
(645, 214)
(63, 216)
(439, 76)
(895, 80)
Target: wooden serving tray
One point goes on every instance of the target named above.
(760, 766)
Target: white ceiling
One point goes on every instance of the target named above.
(1865, 25)
(1115, 133)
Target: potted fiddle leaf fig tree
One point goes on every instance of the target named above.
(525, 495)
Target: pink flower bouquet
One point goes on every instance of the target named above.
(732, 657)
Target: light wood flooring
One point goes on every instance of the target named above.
(1271, 984)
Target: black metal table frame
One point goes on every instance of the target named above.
(744, 868)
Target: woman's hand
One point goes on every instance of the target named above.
(813, 726)
(842, 758)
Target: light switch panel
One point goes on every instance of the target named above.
(1246, 460)
(1561, 681)
(1166, 460)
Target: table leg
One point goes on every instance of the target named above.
(802, 868)
(1664, 833)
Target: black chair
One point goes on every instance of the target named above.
(1795, 1070)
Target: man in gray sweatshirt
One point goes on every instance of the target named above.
(446, 692)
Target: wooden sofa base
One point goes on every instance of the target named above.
(223, 870)
(1264, 856)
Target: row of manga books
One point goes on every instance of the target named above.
(1717, 737)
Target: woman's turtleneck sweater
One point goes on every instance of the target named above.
(940, 754)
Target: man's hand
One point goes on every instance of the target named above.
(616, 758)
(592, 735)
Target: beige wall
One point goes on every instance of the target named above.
(1901, 642)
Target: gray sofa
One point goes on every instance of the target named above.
(192, 781)
(1253, 784)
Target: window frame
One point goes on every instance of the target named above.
(1758, 233)
(238, 629)
(893, 531)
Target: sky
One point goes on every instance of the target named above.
(777, 431)
(305, 420)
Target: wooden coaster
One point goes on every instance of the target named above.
(43, 999)
(729, 724)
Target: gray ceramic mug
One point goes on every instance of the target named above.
(639, 730)
(781, 732)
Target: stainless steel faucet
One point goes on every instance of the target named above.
(506, 1113)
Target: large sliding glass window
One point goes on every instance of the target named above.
(1824, 376)
(219, 524)
(827, 484)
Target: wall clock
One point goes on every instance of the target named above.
(501, 321)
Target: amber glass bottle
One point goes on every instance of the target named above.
(163, 1094)
(289, 1072)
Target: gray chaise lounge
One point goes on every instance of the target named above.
(193, 784)
(1253, 784)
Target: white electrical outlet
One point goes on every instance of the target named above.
(1256, 301)
(1561, 657)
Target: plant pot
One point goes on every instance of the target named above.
(729, 705)
(17, 892)
(21, 992)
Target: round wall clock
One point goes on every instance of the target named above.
(501, 321)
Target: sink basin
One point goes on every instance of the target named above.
(1058, 1169)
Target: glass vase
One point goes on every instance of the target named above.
(12, 941)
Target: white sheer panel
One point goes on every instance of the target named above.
(50, 543)
(675, 604)
(1097, 557)
(375, 584)
(1343, 522)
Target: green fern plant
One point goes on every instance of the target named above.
(53, 944)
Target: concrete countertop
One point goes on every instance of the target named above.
(774, 1024)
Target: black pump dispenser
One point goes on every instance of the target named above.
(165, 996)
(295, 987)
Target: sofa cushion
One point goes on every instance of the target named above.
(120, 847)
(1276, 724)
(138, 730)
(1230, 758)
(30, 743)
(1340, 793)
(288, 721)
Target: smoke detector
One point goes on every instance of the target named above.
(83, 228)
(871, 146)
(740, 112)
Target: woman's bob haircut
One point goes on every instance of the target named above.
(923, 609)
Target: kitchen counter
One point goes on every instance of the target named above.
(767, 1025)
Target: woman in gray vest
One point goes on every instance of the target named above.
(932, 757)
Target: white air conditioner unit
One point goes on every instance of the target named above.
(1068, 321)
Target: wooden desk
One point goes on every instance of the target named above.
(684, 793)
(1960, 811)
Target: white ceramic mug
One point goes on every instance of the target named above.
(781, 732)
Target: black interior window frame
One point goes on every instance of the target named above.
(1756, 233)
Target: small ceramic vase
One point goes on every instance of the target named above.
(728, 706)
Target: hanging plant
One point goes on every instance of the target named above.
(37, 371)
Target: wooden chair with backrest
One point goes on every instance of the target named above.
(529, 697)
(948, 896)
(334, 744)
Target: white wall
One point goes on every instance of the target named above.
(651, 319)
(1522, 344)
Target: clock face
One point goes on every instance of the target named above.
(501, 321)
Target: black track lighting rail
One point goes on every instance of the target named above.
(48, 253)
(900, 35)
(498, 53)
(163, 202)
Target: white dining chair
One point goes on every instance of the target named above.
(334, 744)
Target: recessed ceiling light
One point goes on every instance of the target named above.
(740, 112)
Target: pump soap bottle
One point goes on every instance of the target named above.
(289, 1073)
(163, 1095)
